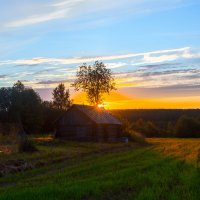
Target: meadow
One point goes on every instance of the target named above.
(161, 169)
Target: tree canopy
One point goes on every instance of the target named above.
(21, 105)
(61, 97)
(95, 80)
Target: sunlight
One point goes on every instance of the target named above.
(101, 105)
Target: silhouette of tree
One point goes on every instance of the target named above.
(61, 97)
(187, 127)
(21, 105)
(19, 86)
(95, 80)
(5, 99)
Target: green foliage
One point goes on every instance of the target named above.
(5, 99)
(9, 128)
(21, 105)
(26, 145)
(50, 115)
(61, 97)
(128, 131)
(95, 80)
(187, 127)
(164, 123)
(19, 86)
(149, 129)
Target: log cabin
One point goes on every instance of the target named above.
(81, 122)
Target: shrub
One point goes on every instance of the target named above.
(26, 145)
(135, 136)
(127, 131)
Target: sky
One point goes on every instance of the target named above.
(151, 46)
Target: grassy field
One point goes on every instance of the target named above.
(164, 169)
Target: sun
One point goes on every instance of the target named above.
(101, 105)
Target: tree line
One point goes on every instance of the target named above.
(23, 106)
(163, 122)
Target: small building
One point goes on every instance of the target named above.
(81, 122)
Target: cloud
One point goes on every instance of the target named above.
(178, 90)
(129, 70)
(54, 81)
(35, 12)
(3, 76)
(43, 12)
(34, 19)
(140, 58)
(66, 3)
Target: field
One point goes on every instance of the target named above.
(163, 169)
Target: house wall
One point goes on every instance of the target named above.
(107, 132)
(78, 132)
(74, 125)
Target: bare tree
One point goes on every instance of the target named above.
(95, 80)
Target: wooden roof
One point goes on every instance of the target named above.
(97, 115)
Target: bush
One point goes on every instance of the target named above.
(135, 136)
(127, 131)
(26, 145)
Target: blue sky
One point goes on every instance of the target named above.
(147, 43)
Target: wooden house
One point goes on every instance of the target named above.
(81, 122)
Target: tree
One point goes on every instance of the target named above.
(61, 97)
(31, 110)
(50, 114)
(187, 127)
(19, 86)
(5, 99)
(21, 105)
(95, 80)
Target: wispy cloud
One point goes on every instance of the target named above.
(43, 12)
(34, 19)
(48, 82)
(155, 69)
(51, 11)
(140, 58)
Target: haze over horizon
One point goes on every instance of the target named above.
(152, 47)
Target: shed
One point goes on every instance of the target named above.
(81, 122)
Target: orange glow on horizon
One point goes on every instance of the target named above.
(119, 101)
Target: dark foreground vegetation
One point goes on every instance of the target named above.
(66, 170)
(163, 122)
(21, 108)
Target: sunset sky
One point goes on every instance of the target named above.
(152, 47)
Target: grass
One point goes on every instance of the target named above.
(107, 171)
(187, 149)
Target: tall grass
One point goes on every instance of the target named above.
(13, 142)
(198, 159)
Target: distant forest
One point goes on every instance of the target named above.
(163, 122)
